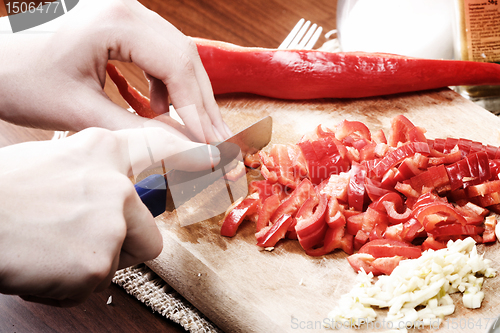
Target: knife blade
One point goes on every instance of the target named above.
(168, 191)
(495, 326)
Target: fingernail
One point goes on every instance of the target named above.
(214, 153)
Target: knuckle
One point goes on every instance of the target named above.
(98, 138)
(156, 249)
(186, 64)
(128, 190)
(117, 11)
(191, 47)
(113, 14)
(119, 186)
(98, 269)
(98, 262)
(105, 192)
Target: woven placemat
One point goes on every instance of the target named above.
(142, 283)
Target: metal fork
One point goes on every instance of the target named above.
(300, 38)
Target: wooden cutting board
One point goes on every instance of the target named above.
(242, 288)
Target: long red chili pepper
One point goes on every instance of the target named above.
(301, 74)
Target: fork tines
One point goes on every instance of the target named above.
(302, 38)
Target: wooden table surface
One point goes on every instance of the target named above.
(249, 23)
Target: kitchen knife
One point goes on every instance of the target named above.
(157, 189)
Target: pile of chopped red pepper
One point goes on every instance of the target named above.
(387, 198)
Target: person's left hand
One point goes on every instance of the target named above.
(55, 80)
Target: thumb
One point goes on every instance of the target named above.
(95, 109)
(146, 141)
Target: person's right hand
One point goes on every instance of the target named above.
(70, 216)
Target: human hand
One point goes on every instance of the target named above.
(70, 216)
(55, 80)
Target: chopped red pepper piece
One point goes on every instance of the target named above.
(389, 248)
(311, 215)
(431, 243)
(494, 168)
(433, 178)
(234, 218)
(334, 239)
(335, 217)
(392, 197)
(265, 189)
(337, 186)
(269, 237)
(472, 170)
(387, 264)
(407, 169)
(403, 130)
(433, 214)
(455, 229)
(347, 128)
(483, 189)
(437, 157)
(252, 160)
(236, 173)
(487, 199)
(356, 189)
(489, 235)
(406, 150)
(364, 261)
(313, 239)
(412, 229)
(376, 266)
(374, 189)
(267, 210)
(323, 158)
(283, 166)
(291, 205)
(311, 225)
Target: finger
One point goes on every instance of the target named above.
(169, 121)
(181, 41)
(177, 68)
(195, 123)
(211, 106)
(109, 115)
(143, 241)
(147, 141)
(143, 147)
(151, 144)
(184, 90)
